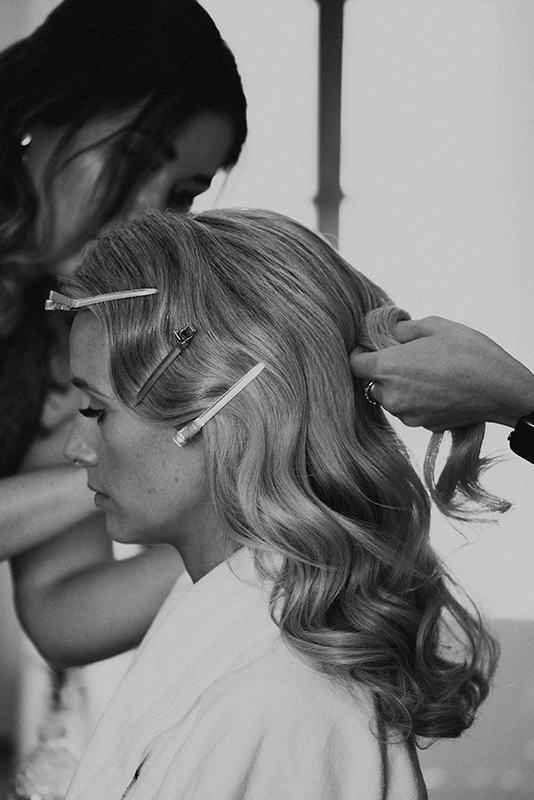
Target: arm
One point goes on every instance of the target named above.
(48, 496)
(79, 605)
(36, 505)
(446, 375)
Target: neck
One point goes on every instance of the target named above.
(205, 551)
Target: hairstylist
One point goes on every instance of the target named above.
(109, 108)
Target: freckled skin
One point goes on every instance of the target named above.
(121, 451)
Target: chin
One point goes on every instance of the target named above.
(122, 533)
(128, 534)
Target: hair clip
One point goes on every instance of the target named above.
(186, 433)
(184, 337)
(60, 302)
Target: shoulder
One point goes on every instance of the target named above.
(279, 690)
(274, 727)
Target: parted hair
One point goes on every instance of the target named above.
(303, 470)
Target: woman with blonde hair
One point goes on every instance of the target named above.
(315, 637)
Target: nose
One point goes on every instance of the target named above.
(77, 449)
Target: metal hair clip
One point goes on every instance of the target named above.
(60, 302)
(184, 337)
(186, 433)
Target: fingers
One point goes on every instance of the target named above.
(409, 330)
(363, 364)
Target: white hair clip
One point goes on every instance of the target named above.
(60, 302)
(186, 433)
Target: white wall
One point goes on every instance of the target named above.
(275, 45)
(19, 17)
(438, 165)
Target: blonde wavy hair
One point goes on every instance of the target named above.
(301, 466)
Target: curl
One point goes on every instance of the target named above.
(457, 492)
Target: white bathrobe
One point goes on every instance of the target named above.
(217, 707)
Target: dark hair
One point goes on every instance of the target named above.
(95, 58)
(300, 464)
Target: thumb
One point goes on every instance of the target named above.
(408, 330)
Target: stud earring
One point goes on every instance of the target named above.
(26, 139)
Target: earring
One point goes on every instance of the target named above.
(26, 139)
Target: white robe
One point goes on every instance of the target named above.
(217, 707)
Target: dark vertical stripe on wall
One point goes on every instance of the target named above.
(329, 194)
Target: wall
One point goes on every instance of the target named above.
(438, 164)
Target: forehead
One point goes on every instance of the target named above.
(89, 351)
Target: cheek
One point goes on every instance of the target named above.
(153, 194)
(75, 189)
(177, 482)
(147, 465)
(142, 466)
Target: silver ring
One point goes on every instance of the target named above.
(368, 392)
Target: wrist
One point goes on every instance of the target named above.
(521, 401)
(521, 439)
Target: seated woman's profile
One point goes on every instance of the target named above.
(316, 637)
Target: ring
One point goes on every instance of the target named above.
(368, 392)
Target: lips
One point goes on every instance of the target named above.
(103, 501)
(95, 490)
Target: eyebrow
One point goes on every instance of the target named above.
(80, 383)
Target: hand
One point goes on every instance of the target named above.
(445, 375)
